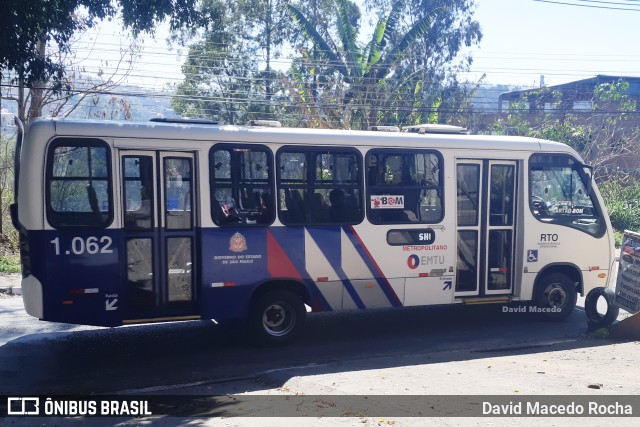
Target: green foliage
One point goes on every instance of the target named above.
(26, 24)
(221, 84)
(10, 263)
(224, 80)
(432, 61)
(361, 65)
(617, 237)
(600, 138)
(379, 81)
(8, 235)
(623, 204)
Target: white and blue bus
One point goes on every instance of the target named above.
(129, 223)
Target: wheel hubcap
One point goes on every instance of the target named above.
(556, 295)
(278, 319)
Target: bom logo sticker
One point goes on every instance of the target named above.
(387, 202)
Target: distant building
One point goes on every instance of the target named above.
(577, 99)
(577, 96)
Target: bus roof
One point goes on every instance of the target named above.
(281, 135)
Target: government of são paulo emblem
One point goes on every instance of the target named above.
(237, 243)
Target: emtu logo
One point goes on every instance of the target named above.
(413, 261)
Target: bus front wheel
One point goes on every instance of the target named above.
(555, 296)
(277, 317)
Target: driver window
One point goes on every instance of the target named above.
(559, 193)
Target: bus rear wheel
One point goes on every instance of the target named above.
(556, 296)
(277, 317)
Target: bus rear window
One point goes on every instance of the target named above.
(78, 184)
(559, 193)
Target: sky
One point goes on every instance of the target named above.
(522, 41)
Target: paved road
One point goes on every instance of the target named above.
(57, 358)
(459, 350)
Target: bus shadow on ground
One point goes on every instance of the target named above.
(147, 357)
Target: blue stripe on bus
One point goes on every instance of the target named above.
(373, 266)
(328, 239)
(291, 241)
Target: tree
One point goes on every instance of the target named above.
(76, 88)
(26, 27)
(37, 35)
(229, 71)
(362, 68)
(7, 147)
(603, 137)
(388, 79)
(220, 83)
(428, 74)
(270, 29)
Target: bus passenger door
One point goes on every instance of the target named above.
(158, 191)
(500, 227)
(469, 208)
(486, 195)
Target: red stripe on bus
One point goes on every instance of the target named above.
(279, 264)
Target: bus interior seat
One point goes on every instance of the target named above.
(352, 207)
(93, 199)
(318, 208)
(295, 206)
(225, 211)
(337, 209)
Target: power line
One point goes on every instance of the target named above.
(396, 105)
(590, 6)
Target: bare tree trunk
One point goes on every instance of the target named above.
(37, 89)
(21, 101)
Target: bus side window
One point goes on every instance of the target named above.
(241, 179)
(137, 188)
(319, 186)
(404, 186)
(78, 187)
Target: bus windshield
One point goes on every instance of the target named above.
(560, 193)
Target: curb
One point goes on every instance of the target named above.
(11, 284)
(11, 291)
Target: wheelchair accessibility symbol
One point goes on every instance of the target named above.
(532, 255)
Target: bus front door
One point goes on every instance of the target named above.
(158, 203)
(486, 197)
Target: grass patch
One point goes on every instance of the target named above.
(9, 264)
(618, 236)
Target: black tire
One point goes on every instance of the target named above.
(277, 317)
(595, 319)
(555, 296)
